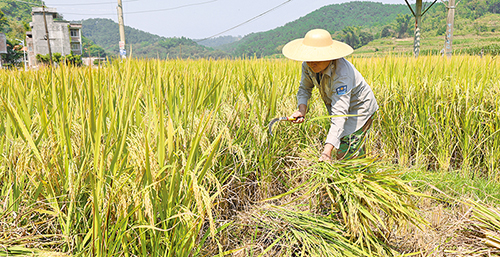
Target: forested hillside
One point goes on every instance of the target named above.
(333, 18)
(101, 36)
(359, 23)
(218, 41)
(105, 33)
(476, 30)
(15, 17)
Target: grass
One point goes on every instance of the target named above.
(455, 185)
(158, 158)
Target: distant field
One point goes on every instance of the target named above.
(427, 44)
(483, 33)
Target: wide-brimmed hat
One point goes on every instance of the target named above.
(317, 45)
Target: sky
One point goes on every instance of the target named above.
(196, 19)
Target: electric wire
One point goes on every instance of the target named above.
(74, 4)
(182, 6)
(247, 21)
(173, 8)
(106, 14)
(93, 3)
(146, 11)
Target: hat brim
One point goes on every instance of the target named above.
(296, 50)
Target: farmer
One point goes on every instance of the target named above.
(342, 88)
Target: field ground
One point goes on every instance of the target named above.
(173, 158)
(404, 46)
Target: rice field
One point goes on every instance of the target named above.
(173, 158)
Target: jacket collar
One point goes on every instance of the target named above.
(328, 71)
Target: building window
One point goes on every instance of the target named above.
(75, 47)
(74, 32)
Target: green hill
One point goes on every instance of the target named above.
(333, 18)
(105, 33)
(101, 36)
(476, 30)
(379, 29)
(17, 16)
(217, 41)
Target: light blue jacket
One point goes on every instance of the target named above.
(344, 91)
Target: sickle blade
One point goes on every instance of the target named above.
(271, 125)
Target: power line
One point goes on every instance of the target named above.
(73, 4)
(174, 8)
(101, 3)
(182, 6)
(247, 21)
(147, 11)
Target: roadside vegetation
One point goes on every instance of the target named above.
(173, 158)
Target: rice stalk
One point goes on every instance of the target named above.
(370, 200)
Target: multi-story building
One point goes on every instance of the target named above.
(65, 37)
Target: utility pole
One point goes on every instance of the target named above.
(123, 52)
(448, 38)
(418, 13)
(47, 35)
(24, 53)
(418, 20)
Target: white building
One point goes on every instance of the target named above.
(65, 37)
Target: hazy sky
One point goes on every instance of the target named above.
(195, 18)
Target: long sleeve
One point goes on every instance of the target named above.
(344, 92)
(340, 96)
(305, 88)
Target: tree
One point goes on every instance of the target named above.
(387, 32)
(14, 55)
(95, 51)
(365, 38)
(494, 6)
(402, 24)
(351, 36)
(75, 60)
(58, 58)
(355, 37)
(3, 21)
(91, 49)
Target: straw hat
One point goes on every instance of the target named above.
(317, 45)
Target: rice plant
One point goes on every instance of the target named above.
(151, 157)
(436, 113)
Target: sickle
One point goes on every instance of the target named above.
(278, 119)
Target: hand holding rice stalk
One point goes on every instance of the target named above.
(301, 119)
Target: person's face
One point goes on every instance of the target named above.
(318, 66)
